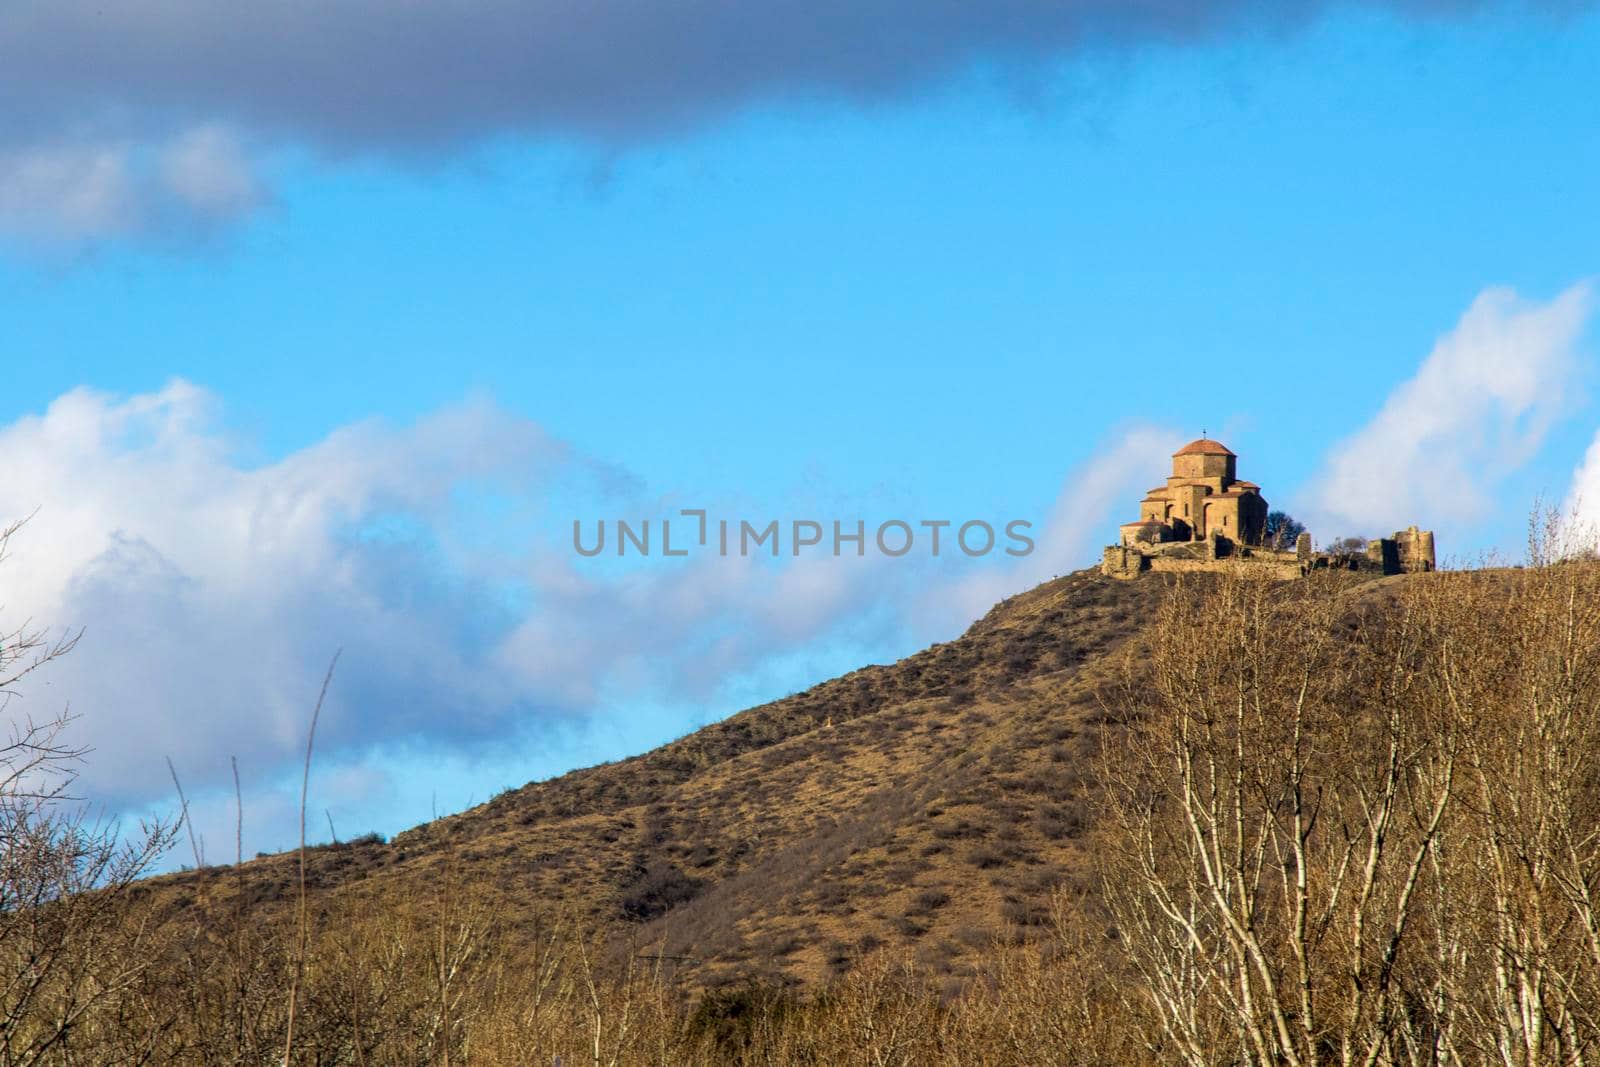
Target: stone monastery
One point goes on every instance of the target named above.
(1204, 513)
(1201, 495)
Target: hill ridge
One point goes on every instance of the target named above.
(933, 804)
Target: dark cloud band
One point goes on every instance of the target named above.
(409, 74)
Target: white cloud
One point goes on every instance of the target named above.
(215, 591)
(67, 192)
(211, 590)
(77, 192)
(1582, 506)
(1475, 412)
(206, 169)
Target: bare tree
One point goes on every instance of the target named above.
(1361, 824)
(68, 940)
(1277, 805)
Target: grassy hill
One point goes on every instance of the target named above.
(1222, 819)
(931, 804)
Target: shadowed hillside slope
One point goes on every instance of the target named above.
(933, 804)
(1254, 821)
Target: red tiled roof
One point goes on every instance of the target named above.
(1205, 446)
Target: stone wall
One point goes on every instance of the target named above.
(1122, 561)
(1129, 561)
(1283, 570)
(1409, 551)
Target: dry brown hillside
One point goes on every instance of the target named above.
(1250, 821)
(933, 803)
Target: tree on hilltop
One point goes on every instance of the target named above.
(1282, 529)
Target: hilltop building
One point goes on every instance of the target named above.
(1203, 495)
(1204, 513)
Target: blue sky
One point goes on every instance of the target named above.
(353, 390)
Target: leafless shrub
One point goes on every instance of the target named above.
(1339, 828)
(1367, 833)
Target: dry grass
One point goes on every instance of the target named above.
(799, 824)
(992, 852)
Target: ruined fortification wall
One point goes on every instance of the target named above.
(1122, 561)
(1409, 551)
(1129, 561)
(1280, 569)
(1415, 548)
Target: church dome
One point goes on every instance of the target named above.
(1205, 446)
